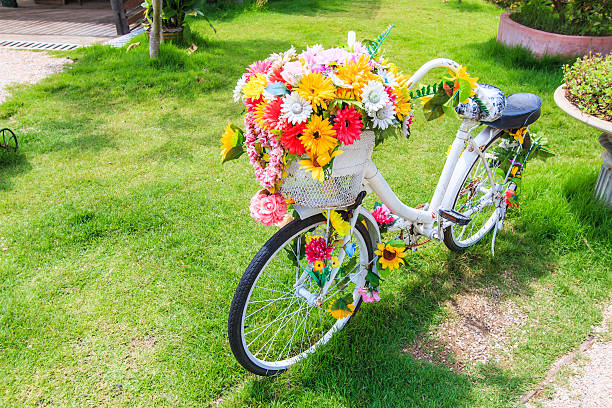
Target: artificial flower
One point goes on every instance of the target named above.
(293, 72)
(519, 134)
(383, 117)
(387, 77)
(238, 89)
(268, 209)
(382, 215)
(295, 108)
(335, 261)
(347, 124)
(515, 171)
(339, 308)
(318, 266)
(255, 86)
(349, 249)
(341, 226)
(318, 250)
(290, 139)
(272, 114)
(374, 96)
(343, 93)
(318, 137)
(403, 107)
(316, 89)
(258, 115)
(368, 296)
(315, 164)
(356, 73)
(390, 256)
(461, 73)
(259, 67)
(227, 140)
(511, 199)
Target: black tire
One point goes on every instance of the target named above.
(269, 250)
(449, 239)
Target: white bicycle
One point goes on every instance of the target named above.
(277, 315)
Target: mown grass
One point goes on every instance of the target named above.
(125, 237)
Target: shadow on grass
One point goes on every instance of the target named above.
(11, 165)
(465, 6)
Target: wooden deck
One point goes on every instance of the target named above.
(91, 23)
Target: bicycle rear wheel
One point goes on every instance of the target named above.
(474, 199)
(271, 324)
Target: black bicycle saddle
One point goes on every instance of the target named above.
(522, 109)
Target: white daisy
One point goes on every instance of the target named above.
(374, 96)
(295, 108)
(383, 117)
(238, 89)
(387, 77)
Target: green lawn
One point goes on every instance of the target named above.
(123, 238)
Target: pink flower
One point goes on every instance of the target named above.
(267, 208)
(259, 67)
(293, 72)
(382, 215)
(368, 296)
(318, 250)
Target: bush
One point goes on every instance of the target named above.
(588, 84)
(571, 17)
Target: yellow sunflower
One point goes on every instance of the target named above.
(254, 88)
(342, 227)
(390, 256)
(335, 261)
(356, 73)
(227, 140)
(403, 107)
(319, 136)
(316, 89)
(316, 163)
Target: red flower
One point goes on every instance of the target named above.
(511, 199)
(347, 124)
(290, 139)
(275, 76)
(318, 250)
(251, 104)
(272, 113)
(382, 215)
(392, 96)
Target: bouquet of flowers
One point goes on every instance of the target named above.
(308, 107)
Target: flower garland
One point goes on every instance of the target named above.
(268, 166)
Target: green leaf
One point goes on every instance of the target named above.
(374, 46)
(348, 267)
(465, 89)
(397, 243)
(373, 279)
(234, 153)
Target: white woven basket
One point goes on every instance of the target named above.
(339, 190)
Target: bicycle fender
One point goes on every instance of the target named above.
(371, 225)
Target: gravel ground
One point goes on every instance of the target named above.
(590, 381)
(18, 66)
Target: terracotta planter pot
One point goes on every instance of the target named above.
(540, 43)
(603, 188)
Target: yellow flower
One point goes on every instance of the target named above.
(316, 163)
(343, 93)
(357, 74)
(519, 135)
(335, 262)
(259, 114)
(390, 256)
(402, 80)
(339, 311)
(318, 137)
(342, 227)
(403, 107)
(314, 88)
(255, 86)
(227, 140)
(318, 266)
(461, 73)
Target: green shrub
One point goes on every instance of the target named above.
(588, 85)
(571, 17)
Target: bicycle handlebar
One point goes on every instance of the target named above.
(428, 66)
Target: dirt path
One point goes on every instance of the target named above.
(17, 66)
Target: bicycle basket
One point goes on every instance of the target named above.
(339, 190)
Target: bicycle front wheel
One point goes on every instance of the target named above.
(475, 198)
(273, 322)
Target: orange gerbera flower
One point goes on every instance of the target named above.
(319, 136)
(316, 89)
(357, 74)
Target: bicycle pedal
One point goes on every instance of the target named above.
(455, 217)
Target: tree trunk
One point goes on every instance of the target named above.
(154, 37)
